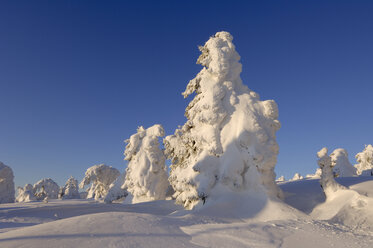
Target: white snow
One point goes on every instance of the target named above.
(6, 184)
(99, 177)
(341, 165)
(71, 189)
(25, 194)
(297, 176)
(146, 176)
(229, 138)
(116, 192)
(365, 161)
(45, 188)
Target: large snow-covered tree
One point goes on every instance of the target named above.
(365, 161)
(327, 181)
(341, 165)
(6, 184)
(229, 137)
(25, 194)
(70, 190)
(99, 177)
(146, 175)
(46, 188)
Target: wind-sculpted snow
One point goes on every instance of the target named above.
(146, 174)
(100, 177)
(6, 184)
(45, 188)
(341, 165)
(365, 161)
(229, 137)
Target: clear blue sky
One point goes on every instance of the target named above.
(78, 77)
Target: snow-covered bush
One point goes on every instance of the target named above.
(100, 177)
(329, 185)
(341, 165)
(316, 175)
(297, 176)
(146, 175)
(45, 188)
(25, 194)
(70, 190)
(280, 179)
(229, 137)
(6, 184)
(116, 191)
(365, 161)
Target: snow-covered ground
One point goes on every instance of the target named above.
(87, 223)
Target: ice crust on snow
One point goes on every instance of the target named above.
(341, 165)
(45, 188)
(229, 137)
(146, 176)
(365, 161)
(6, 184)
(99, 177)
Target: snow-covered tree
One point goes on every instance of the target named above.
(316, 175)
(229, 137)
(327, 181)
(296, 177)
(99, 177)
(6, 184)
(25, 194)
(280, 179)
(116, 191)
(146, 175)
(70, 190)
(45, 188)
(341, 165)
(365, 161)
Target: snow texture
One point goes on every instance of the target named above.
(6, 184)
(341, 165)
(25, 194)
(100, 177)
(329, 185)
(280, 179)
(297, 176)
(116, 192)
(146, 175)
(71, 189)
(229, 137)
(365, 161)
(45, 188)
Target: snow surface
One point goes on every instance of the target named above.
(87, 223)
(6, 184)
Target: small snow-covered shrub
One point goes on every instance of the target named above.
(146, 175)
(116, 191)
(341, 165)
(45, 188)
(25, 194)
(70, 190)
(99, 177)
(365, 161)
(6, 184)
(329, 185)
(280, 179)
(296, 177)
(229, 138)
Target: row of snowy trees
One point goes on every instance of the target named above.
(226, 147)
(342, 166)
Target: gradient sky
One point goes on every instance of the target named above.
(78, 77)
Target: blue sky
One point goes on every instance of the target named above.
(78, 77)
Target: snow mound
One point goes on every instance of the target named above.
(100, 177)
(365, 161)
(229, 139)
(146, 175)
(45, 188)
(6, 184)
(341, 165)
